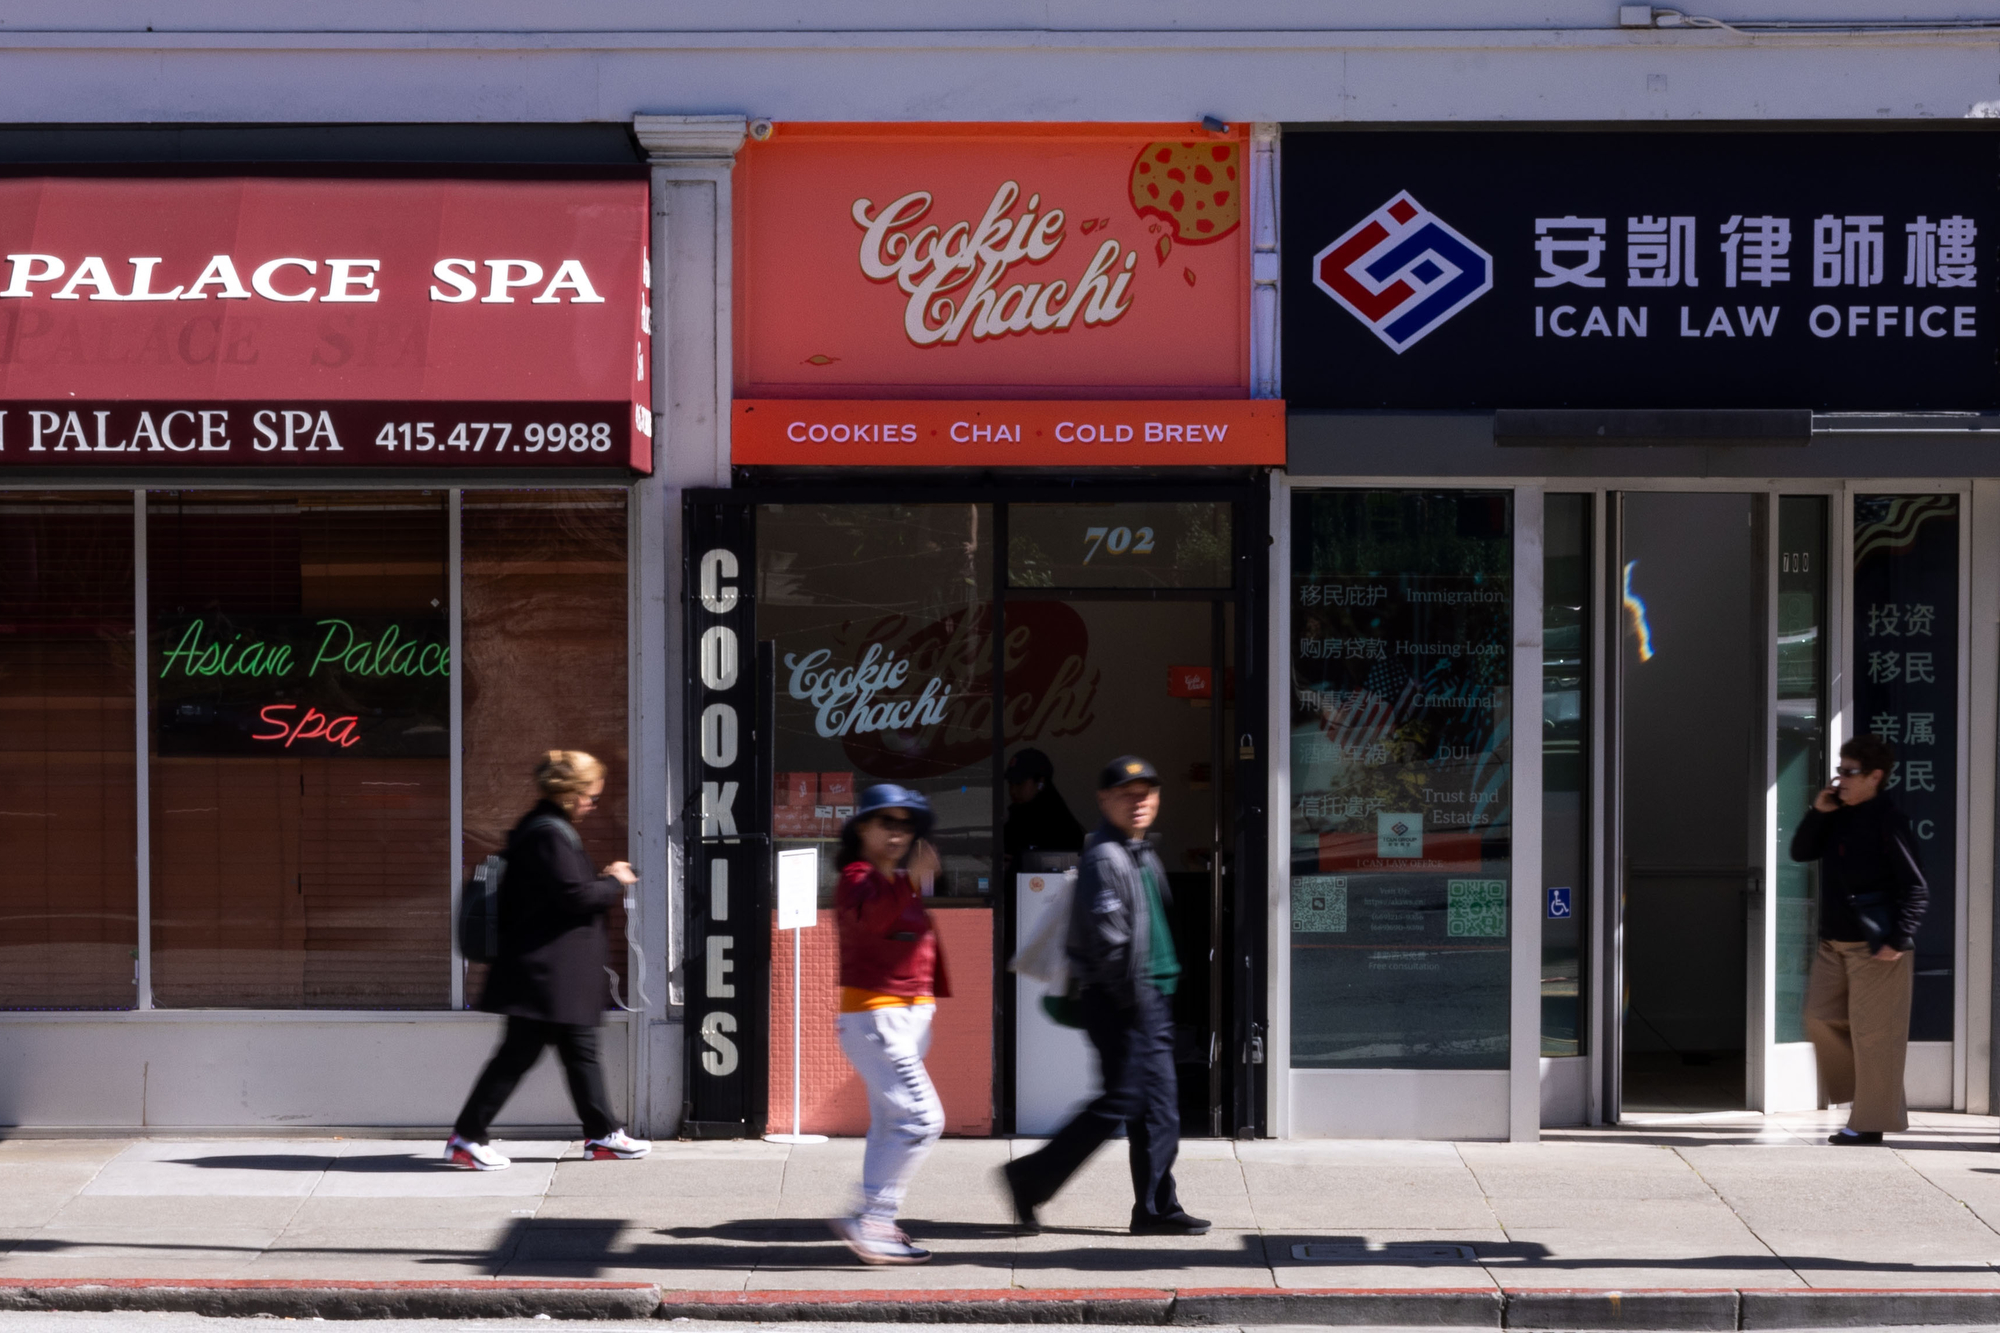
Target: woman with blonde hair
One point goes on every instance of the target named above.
(548, 979)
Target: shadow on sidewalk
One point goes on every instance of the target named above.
(373, 1164)
(612, 1247)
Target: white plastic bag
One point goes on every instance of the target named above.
(1044, 955)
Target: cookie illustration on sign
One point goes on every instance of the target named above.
(1192, 187)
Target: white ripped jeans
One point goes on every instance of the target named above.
(905, 1117)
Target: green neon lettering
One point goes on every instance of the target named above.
(187, 647)
(322, 656)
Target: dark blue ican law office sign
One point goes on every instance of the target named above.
(1472, 270)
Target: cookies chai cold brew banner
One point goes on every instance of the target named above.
(277, 323)
(934, 269)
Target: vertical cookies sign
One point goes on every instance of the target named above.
(956, 261)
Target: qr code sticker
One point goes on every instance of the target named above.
(1319, 904)
(1477, 908)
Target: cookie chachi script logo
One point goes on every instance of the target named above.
(1403, 271)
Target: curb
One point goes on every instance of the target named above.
(1541, 1308)
(306, 1299)
(1096, 1305)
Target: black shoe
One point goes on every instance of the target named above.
(1024, 1211)
(1170, 1224)
(1854, 1138)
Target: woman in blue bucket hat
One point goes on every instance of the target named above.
(891, 975)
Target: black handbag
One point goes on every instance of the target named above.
(1877, 914)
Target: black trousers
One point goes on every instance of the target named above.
(519, 1050)
(1135, 1047)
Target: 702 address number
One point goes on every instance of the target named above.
(473, 436)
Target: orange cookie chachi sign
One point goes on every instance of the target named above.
(992, 261)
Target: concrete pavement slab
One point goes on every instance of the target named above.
(415, 1169)
(1843, 1216)
(1386, 1263)
(137, 1251)
(318, 1213)
(234, 1167)
(1079, 1257)
(176, 1212)
(1357, 1185)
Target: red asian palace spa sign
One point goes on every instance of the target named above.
(323, 323)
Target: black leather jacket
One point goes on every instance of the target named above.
(1864, 849)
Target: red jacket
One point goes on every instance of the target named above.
(887, 941)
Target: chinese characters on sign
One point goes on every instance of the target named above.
(1401, 778)
(1833, 271)
(1906, 692)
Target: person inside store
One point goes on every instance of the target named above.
(1038, 819)
(1123, 974)
(892, 974)
(1872, 900)
(549, 977)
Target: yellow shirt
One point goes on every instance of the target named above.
(854, 1000)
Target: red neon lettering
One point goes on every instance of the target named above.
(339, 730)
(264, 715)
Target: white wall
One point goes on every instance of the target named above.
(1275, 60)
(211, 1069)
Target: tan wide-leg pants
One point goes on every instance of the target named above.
(1858, 1016)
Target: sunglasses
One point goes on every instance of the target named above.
(1849, 772)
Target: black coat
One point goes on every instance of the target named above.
(1864, 849)
(552, 945)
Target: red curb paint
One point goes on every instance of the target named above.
(316, 1284)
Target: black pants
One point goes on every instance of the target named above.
(519, 1050)
(1135, 1046)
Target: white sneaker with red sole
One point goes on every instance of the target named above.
(473, 1156)
(617, 1146)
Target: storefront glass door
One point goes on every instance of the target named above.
(994, 656)
(1690, 670)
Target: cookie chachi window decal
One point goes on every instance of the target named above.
(961, 261)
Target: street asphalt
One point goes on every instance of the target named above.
(1751, 1219)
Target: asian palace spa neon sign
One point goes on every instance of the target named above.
(202, 654)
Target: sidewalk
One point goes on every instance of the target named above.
(1713, 1204)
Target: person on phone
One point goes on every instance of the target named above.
(1872, 898)
(891, 976)
(1122, 958)
(549, 979)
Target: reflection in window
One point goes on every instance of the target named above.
(299, 668)
(1165, 544)
(1906, 691)
(544, 588)
(68, 793)
(883, 621)
(1802, 758)
(1565, 769)
(1401, 764)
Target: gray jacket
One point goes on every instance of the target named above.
(1110, 926)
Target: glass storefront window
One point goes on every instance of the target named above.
(1906, 691)
(1401, 762)
(543, 604)
(1168, 544)
(1566, 619)
(300, 678)
(68, 785)
(1802, 757)
(883, 620)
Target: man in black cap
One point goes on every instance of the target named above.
(1123, 971)
(1038, 819)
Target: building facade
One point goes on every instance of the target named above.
(1281, 401)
